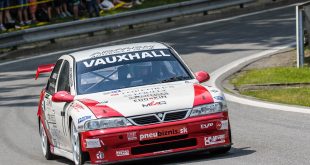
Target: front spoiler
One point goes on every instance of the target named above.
(165, 155)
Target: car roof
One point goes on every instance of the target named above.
(116, 49)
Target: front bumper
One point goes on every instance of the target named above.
(136, 142)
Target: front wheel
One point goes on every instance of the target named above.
(76, 146)
(45, 144)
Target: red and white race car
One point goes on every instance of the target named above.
(129, 102)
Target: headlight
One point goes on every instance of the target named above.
(106, 123)
(208, 109)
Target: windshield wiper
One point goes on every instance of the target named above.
(176, 78)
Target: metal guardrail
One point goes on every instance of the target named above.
(50, 32)
(302, 25)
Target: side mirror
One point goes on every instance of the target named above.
(202, 76)
(44, 69)
(62, 96)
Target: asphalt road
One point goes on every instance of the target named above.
(260, 136)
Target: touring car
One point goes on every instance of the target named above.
(128, 102)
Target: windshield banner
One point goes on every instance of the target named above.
(120, 59)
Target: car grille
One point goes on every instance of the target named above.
(175, 115)
(160, 117)
(146, 120)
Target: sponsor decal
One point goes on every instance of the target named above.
(115, 92)
(206, 126)
(56, 134)
(163, 152)
(163, 132)
(54, 131)
(219, 98)
(43, 105)
(48, 103)
(122, 153)
(218, 125)
(83, 119)
(214, 91)
(132, 136)
(217, 139)
(51, 118)
(93, 143)
(150, 98)
(222, 125)
(121, 50)
(146, 94)
(126, 57)
(154, 103)
(102, 103)
(100, 155)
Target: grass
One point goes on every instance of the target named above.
(273, 75)
(286, 95)
(297, 96)
(146, 4)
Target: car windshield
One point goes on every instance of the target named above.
(128, 70)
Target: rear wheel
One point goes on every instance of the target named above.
(45, 144)
(78, 157)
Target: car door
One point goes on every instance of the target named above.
(61, 112)
(49, 110)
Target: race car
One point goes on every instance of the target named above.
(128, 102)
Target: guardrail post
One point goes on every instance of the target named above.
(14, 48)
(299, 37)
(91, 34)
(53, 41)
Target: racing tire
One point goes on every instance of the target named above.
(78, 156)
(45, 144)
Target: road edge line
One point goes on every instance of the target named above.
(231, 68)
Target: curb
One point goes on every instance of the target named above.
(218, 76)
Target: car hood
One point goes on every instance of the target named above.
(152, 98)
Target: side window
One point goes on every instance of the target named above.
(63, 81)
(51, 84)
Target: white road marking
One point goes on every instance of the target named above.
(240, 100)
(149, 34)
